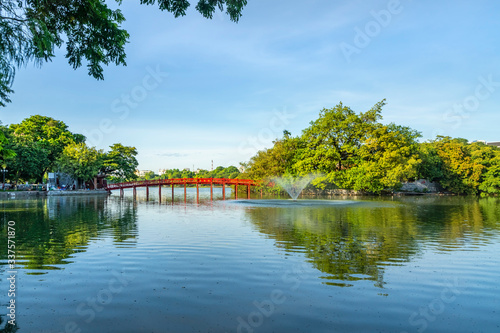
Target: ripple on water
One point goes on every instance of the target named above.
(292, 203)
(187, 268)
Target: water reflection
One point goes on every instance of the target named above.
(200, 266)
(51, 230)
(355, 242)
(348, 240)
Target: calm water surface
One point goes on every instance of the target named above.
(94, 264)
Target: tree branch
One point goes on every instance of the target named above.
(14, 19)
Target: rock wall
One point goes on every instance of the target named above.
(22, 194)
(418, 186)
(80, 192)
(421, 185)
(332, 192)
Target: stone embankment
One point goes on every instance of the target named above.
(34, 194)
(79, 192)
(418, 187)
(332, 192)
(22, 194)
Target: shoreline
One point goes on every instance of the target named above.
(305, 193)
(28, 194)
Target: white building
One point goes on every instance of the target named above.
(491, 143)
(142, 173)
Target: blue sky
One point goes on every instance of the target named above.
(197, 90)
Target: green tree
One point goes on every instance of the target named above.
(281, 158)
(491, 179)
(489, 158)
(120, 163)
(149, 175)
(172, 173)
(5, 152)
(431, 167)
(461, 167)
(187, 174)
(204, 174)
(285, 151)
(263, 165)
(231, 172)
(38, 133)
(461, 173)
(217, 172)
(31, 30)
(29, 163)
(80, 161)
(388, 156)
(355, 151)
(331, 141)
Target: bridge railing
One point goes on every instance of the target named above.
(180, 181)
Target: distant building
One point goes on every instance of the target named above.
(142, 173)
(242, 169)
(197, 171)
(61, 180)
(98, 182)
(162, 171)
(492, 143)
(186, 169)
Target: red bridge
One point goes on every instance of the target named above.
(186, 181)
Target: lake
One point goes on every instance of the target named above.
(365, 264)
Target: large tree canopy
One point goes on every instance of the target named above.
(38, 141)
(40, 144)
(30, 31)
(331, 141)
(120, 163)
(388, 156)
(83, 162)
(80, 161)
(278, 160)
(461, 167)
(5, 153)
(355, 151)
(30, 162)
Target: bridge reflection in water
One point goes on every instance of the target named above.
(185, 182)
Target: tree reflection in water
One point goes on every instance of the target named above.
(49, 231)
(354, 242)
